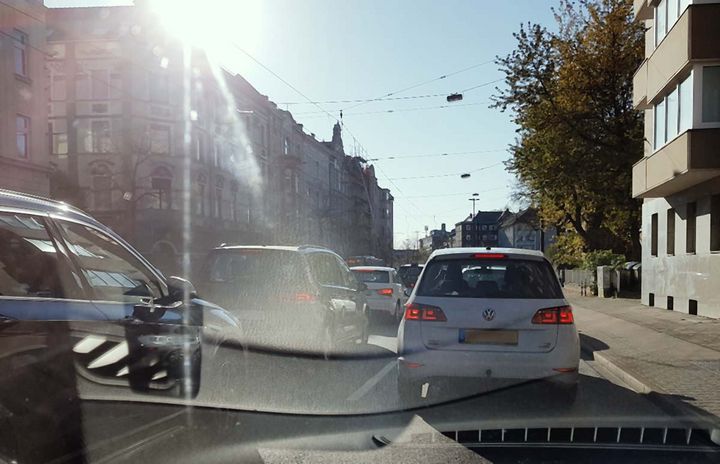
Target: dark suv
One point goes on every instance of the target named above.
(299, 298)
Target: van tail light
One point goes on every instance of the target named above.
(420, 312)
(385, 292)
(559, 315)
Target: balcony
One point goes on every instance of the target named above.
(688, 160)
(643, 9)
(694, 36)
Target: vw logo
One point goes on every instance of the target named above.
(489, 314)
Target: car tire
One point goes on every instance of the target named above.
(365, 335)
(329, 342)
(398, 312)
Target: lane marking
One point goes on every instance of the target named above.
(372, 381)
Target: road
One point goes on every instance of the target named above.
(262, 381)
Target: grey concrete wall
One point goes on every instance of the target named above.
(683, 276)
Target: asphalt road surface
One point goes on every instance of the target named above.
(367, 384)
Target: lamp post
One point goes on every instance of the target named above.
(474, 199)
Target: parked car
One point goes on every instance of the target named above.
(385, 291)
(298, 298)
(409, 274)
(63, 271)
(487, 313)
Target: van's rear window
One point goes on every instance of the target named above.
(502, 278)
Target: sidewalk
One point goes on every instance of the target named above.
(653, 350)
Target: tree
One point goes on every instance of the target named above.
(570, 93)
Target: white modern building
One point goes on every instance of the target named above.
(678, 88)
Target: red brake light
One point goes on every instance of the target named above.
(303, 297)
(561, 315)
(418, 312)
(385, 292)
(489, 256)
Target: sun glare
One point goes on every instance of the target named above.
(214, 25)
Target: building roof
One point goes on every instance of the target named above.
(526, 216)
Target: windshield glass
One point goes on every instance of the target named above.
(499, 220)
(379, 277)
(473, 278)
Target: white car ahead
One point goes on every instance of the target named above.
(487, 313)
(384, 289)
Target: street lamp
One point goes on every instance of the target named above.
(465, 176)
(473, 199)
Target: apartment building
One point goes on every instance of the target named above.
(678, 89)
(237, 170)
(479, 230)
(23, 117)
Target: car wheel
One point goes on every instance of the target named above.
(329, 340)
(365, 335)
(398, 312)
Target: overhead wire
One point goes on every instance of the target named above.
(433, 176)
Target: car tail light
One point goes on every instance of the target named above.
(489, 256)
(304, 297)
(559, 315)
(385, 292)
(419, 312)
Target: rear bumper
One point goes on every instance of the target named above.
(561, 363)
(384, 303)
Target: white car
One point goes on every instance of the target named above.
(487, 313)
(384, 289)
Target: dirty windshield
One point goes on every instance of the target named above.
(290, 231)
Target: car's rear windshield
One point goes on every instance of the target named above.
(372, 277)
(255, 267)
(481, 278)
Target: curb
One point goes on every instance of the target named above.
(623, 375)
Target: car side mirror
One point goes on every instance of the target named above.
(178, 288)
(362, 286)
(407, 291)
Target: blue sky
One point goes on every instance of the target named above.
(359, 49)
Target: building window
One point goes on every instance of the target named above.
(20, 52)
(670, 247)
(660, 124)
(673, 114)
(654, 235)
(99, 84)
(219, 197)
(94, 136)
(159, 88)
(715, 223)
(711, 94)
(286, 147)
(201, 195)
(58, 137)
(686, 98)
(660, 21)
(690, 227)
(22, 136)
(161, 184)
(102, 188)
(234, 192)
(159, 139)
(58, 89)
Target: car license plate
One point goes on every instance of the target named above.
(489, 337)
